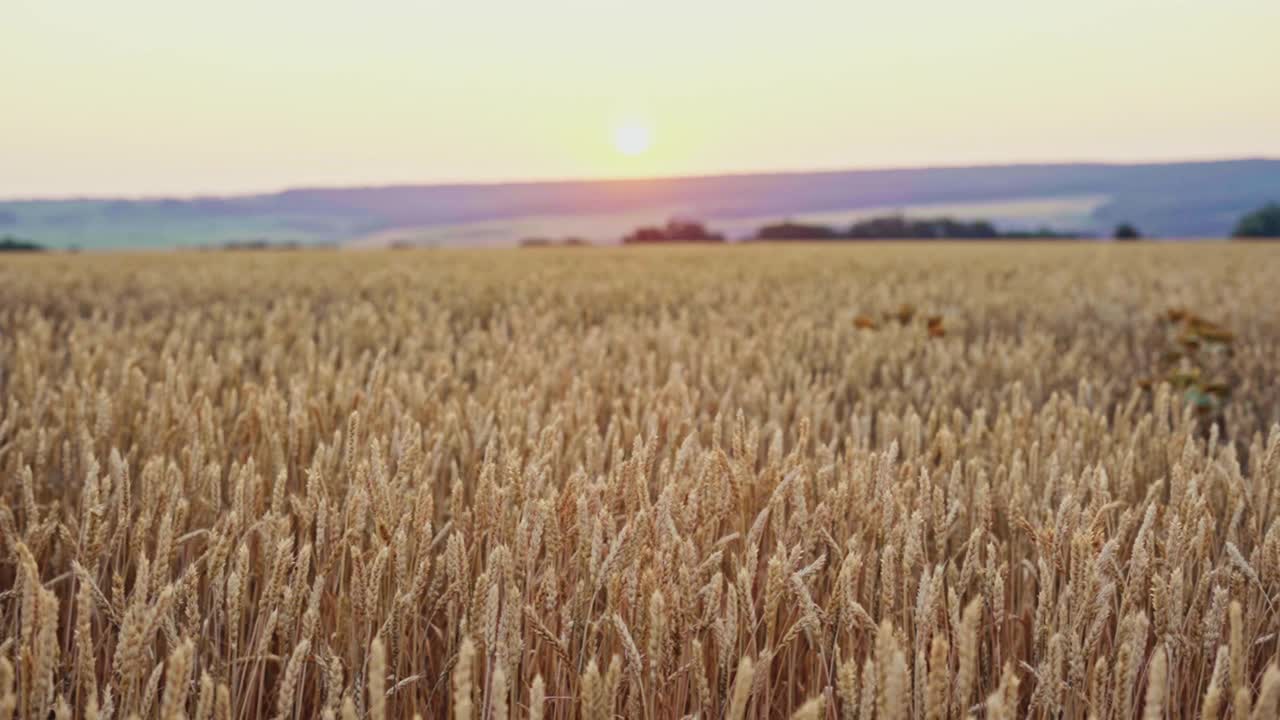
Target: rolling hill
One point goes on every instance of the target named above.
(1190, 199)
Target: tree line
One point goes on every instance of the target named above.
(1262, 223)
(898, 227)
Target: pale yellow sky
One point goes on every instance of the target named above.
(174, 97)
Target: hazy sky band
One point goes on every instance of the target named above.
(149, 97)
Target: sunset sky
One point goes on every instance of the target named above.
(142, 98)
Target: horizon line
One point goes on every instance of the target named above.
(562, 180)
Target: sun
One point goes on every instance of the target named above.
(632, 139)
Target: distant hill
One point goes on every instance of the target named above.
(1200, 199)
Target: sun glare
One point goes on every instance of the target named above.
(632, 139)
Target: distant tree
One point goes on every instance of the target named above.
(535, 242)
(1126, 231)
(690, 231)
(1261, 223)
(890, 228)
(893, 227)
(787, 230)
(1043, 233)
(899, 227)
(9, 243)
(675, 231)
(645, 235)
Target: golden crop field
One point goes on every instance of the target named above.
(853, 481)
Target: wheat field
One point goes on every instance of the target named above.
(857, 481)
